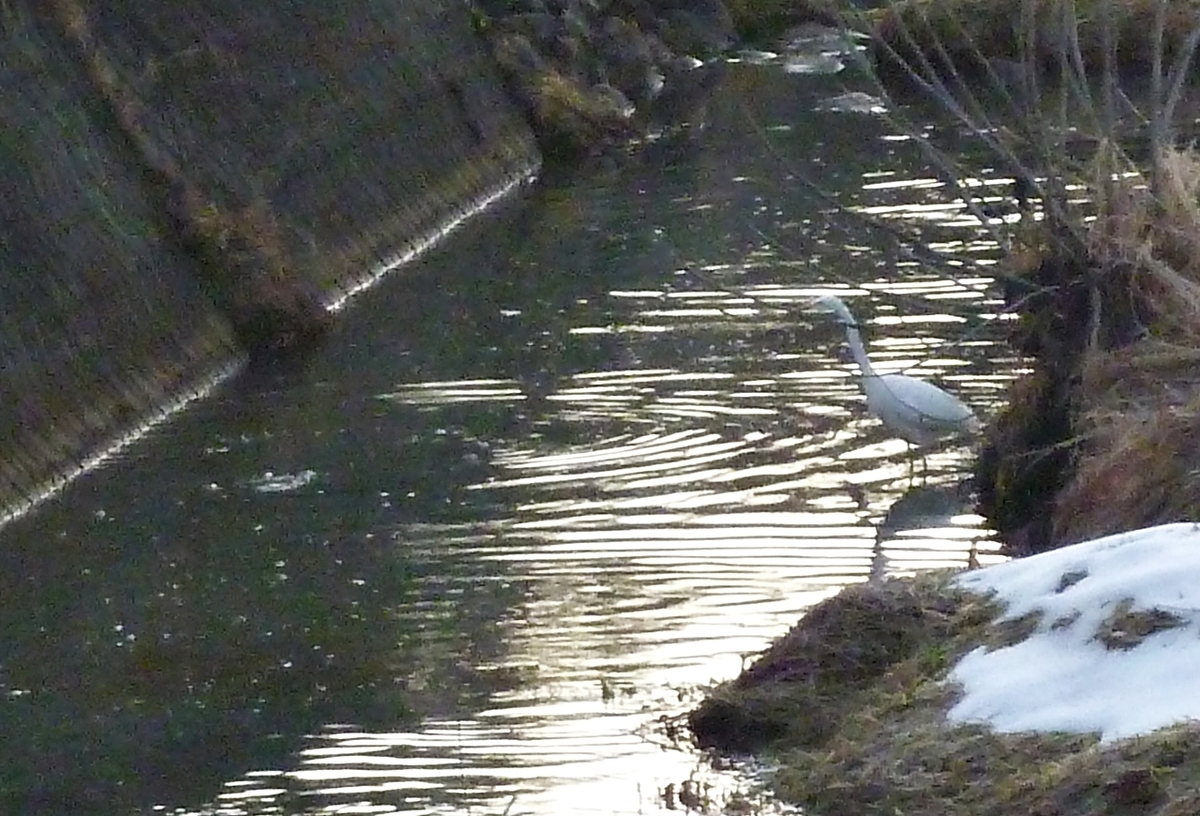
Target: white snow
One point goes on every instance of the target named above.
(1062, 678)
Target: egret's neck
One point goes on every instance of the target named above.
(854, 340)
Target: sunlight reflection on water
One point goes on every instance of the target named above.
(696, 515)
(642, 522)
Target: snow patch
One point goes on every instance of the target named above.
(1146, 585)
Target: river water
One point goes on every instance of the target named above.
(543, 485)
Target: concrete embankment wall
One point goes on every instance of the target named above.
(355, 129)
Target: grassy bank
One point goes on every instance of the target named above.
(851, 706)
(1115, 334)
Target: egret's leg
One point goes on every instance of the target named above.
(878, 561)
(973, 555)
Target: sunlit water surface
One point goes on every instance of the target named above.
(544, 485)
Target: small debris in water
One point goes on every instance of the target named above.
(270, 482)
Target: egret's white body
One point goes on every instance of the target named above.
(916, 411)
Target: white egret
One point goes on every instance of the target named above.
(918, 412)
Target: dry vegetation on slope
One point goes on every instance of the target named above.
(1087, 105)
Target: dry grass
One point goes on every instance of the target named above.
(867, 640)
(884, 745)
(1116, 334)
(1036, 30)
(913, 763)
(1137, 461)
(1126, 627)
(1103, 436)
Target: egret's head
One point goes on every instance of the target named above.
(831, 304)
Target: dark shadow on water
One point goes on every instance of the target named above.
(137, 671)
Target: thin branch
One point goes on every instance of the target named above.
(930, 81)
(1158, 128)
(1179, 74)
(1077, 76)
(1108, 49)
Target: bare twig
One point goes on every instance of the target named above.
(1158, 124)
(1179, 74)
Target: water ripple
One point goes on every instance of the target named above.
(487, 553)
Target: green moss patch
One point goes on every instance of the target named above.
(570, 118)
(851, 707)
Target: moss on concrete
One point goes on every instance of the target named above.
(185, 179)
(242, 261)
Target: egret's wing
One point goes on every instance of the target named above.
(933, 405)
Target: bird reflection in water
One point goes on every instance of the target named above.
(927, 507)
